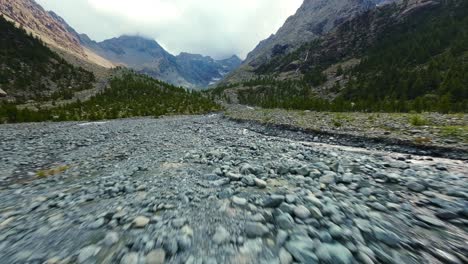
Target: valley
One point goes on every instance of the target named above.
(340, 139)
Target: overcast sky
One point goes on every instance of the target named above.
(218, 28)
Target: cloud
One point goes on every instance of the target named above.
(218, 28)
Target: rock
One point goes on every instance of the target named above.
(302, 212)
(446, 215)
(377, 206)
(238, 201)
(415, 186)
(334, 254)
(233, 177)
(364, 259)
(130, 258)
(273, 201)
(253, 229)
(430, 220)
(97, 224)
(140, 221)
(393, 178)
(347, 178)
(184, 242)
(284, 221)
(260, 183)
(328, 178)
(171, 247)
(281, 237)
(316, 213)
(336, 231)
(285, 257)
(111, 238)
(247, 169)
(387, 237)
(249, 180)
(221, 235)
(220, 182)
(179, 222)
(304, 171)
(3, 93)
(157, 256)
(291, 198)
(302, 250)
(445, 257)
(87, 253)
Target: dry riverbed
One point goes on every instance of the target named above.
(204, 189)
(440, 134)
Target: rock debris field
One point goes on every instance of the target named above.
(203, 189)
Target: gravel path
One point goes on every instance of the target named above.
(203, 189)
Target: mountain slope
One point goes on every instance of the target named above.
(129, 94)
(147, 56)
(312, 20)
(400, 57)
(30, 70)
(50, 28)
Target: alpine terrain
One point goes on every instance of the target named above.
(340, 139)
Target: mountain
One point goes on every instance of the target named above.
(144, 55)
(406, 56)
(147, 56)
(313, 19)
(50, 28)
(204, 70)
(30, 70)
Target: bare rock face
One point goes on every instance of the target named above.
(52, 29)
(3, 93)
(416, 5)
(312, 20)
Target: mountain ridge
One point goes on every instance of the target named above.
(313, 19)
(147, 56)
(50, 28)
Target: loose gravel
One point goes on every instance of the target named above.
(203, 189)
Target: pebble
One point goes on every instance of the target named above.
(111, 238)
(254, 229)
(238, 201)
(273, 201)
(302, 212)
(140, 221)
(334, 254)
(415, 186)
(430, 220)
(285, 257)
(87, 253)
(302, 250)
(130, 258)
(157, 256)
(260, 183)
(221, 235)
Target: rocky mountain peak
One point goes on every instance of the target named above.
(50, 28)
(312, 20)
(47, 26)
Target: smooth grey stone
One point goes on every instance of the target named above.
(253, 230)
(302, 250)
(273, 201)
(284, 221)
(302, 212)
(430, 220)
(221, 235)
(415, 186)
(334, 254)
